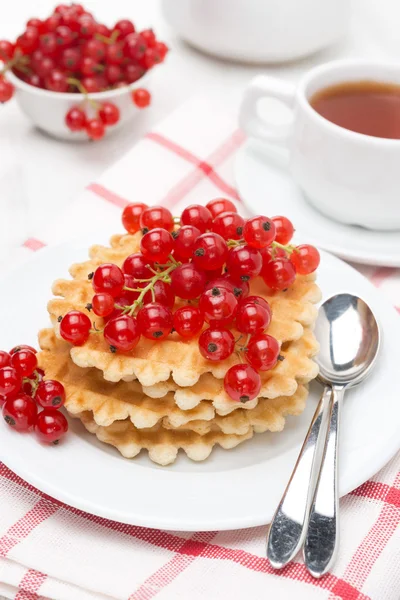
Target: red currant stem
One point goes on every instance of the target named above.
(17, 61)
(234, 243)
(33, 382)
(152, 270)
(105, 39)
(81, 88)
(129, 289)
(289, 248)
(96, 330)
(162, 276)
(173, 260)
(153, 296)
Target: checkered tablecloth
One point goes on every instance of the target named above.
(50, 550)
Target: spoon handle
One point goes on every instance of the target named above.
(322, 538)
(288, 526)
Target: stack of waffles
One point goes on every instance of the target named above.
(164, 396)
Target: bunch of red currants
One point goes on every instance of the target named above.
(71, 52)
(207, 258)
(23, 392)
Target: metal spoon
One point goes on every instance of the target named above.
(349, 339)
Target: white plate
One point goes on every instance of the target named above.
(232, 489)
(265, 185)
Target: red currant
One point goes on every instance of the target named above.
(198, 216)
(256, 300)
(218, 306)
(210, 251)
(56, 81)
(103, 30)
(252, 318)
(89, 66)
(4, 359)
(135, 46)
(156, 245)
(162, 294)
(103, 304)
(6, 50)
(278, 274)
(133, 72)
(156, 216)
(28, 41)
(48, 44)
(188, 321)
(108, 278)
(124, 28)
(24, 362)
(50, 394)
(243, 263)
(259, 232)
(87, 26)
(64, 36)
(109, 113)
(10, 382)
(162, 50)
(70, 59)
(22, 347)
(151, 57)
(137, 266)
(141, 97)
(95, 129)
(75, 328)
(44, 66)
(242, 383)
(220, 205)
(216, 344)
(155, 321)
(52, 22)
(75, 119)
(37, 23)
(284, 230)
(122, 333)
(229, 225)
(262, 352)
(149, 37)
(305, 259)
(95, 49)
(51, 426)
(187, 281)
(131, 216)
(6, 90)
(115, 54)
(113, 73)
(185, 238)
(20, 412)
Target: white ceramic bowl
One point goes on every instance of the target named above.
(258, 31)
(47, 109)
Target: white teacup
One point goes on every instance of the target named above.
(351, 177)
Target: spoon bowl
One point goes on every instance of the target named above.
(349, 340)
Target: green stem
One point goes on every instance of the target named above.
(289, 248)
(163, 276)
(81, 88)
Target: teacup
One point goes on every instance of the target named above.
(350, 177)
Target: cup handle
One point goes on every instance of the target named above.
(249, 119)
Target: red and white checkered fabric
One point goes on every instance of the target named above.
(50, 550)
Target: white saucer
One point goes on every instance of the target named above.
(266, 187)
(232, 489)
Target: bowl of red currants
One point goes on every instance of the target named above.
(76, 78)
